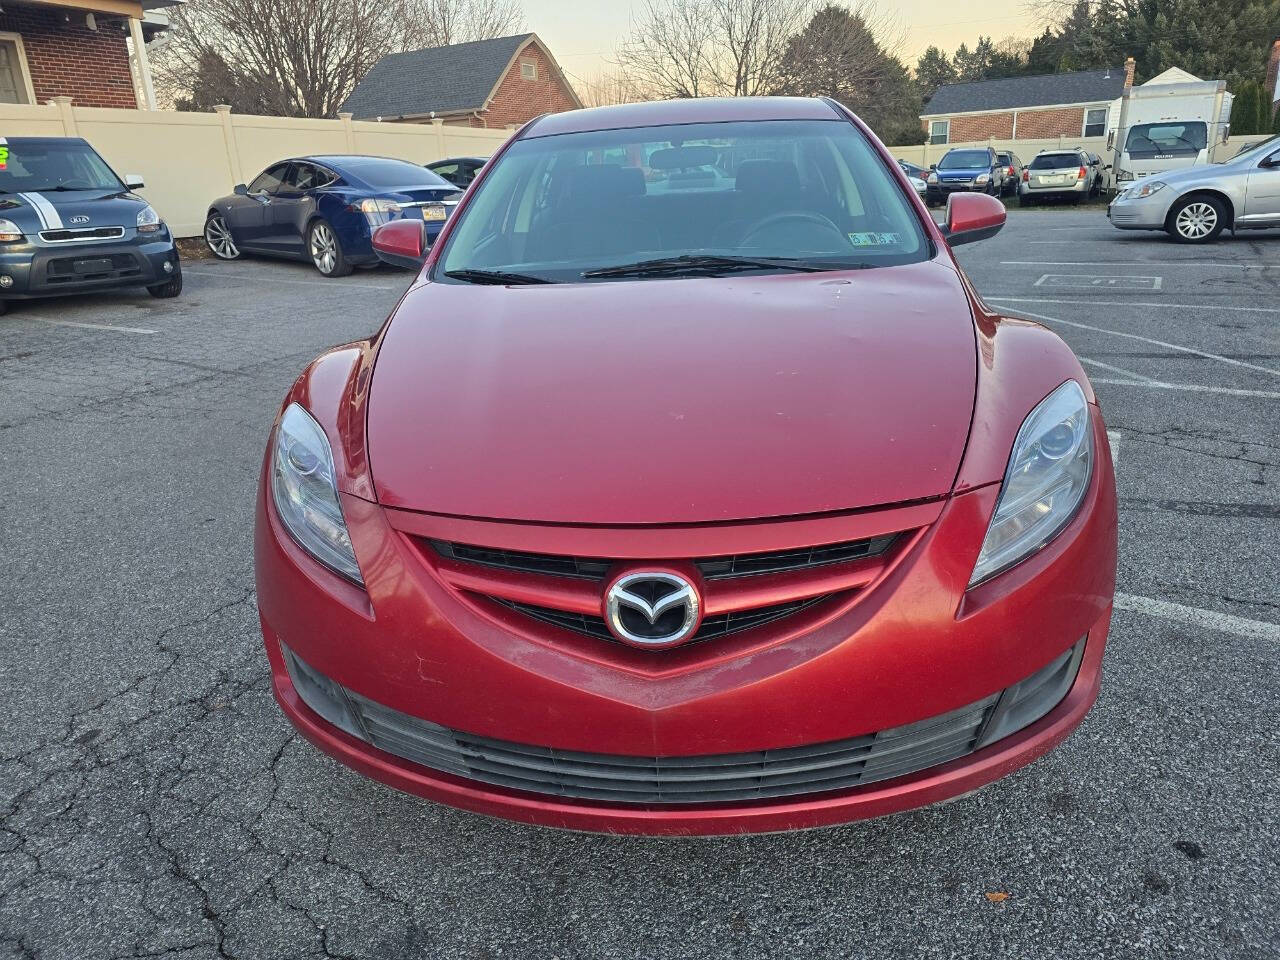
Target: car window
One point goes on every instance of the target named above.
(447, 170)
(270, 180)
(958, 159)
(1178, 139)
(54, 165)
(1052, 161)
(558, 206)
(383, 173)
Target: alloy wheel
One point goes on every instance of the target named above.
(324, 248)
(1196, 221)
(218, 236)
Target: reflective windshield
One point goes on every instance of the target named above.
(1167, 139)
(53, 165)
(814, 193)
(960, 159)
(1251, 153)
(1053, 161)
(381, 173)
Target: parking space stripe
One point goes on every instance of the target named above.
(1190, 387)
(1159, 343)
(1120, 370)
(1133, 303)
(1197, 617)
(1113, 441)
(92, 326)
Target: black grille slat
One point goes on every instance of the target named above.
(720, 625)
(712, 568)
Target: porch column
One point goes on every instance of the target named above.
(143, 64)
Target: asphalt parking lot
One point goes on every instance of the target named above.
(154, 801)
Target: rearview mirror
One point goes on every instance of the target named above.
(240, 190)
(401, 243)
(972, 217)
(133, 181)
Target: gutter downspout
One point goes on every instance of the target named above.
(140, 59)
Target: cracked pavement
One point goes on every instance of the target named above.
(155, 803)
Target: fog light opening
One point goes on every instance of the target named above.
(6, 280)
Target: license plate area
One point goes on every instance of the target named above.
(92, 265)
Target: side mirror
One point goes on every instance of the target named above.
(933, 166)
(1111, 139)
(240, 190)
(972, 217)
(401, 243)
(133, 181)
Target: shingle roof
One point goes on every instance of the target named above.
(443, 79)
(1088, 86)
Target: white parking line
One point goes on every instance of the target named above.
(1159, 343)
(1190, 387)
(1134, 303)
(1113, 441)
(91, 326)
(1120, 370)
(319, 283)
(1110, 281)
(1196, 617)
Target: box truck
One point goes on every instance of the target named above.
(1168, 126)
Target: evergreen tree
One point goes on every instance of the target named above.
(933, 70)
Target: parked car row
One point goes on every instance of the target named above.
(1001, 173)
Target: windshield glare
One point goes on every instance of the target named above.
(1051, 161)
(381, 173)
(957, 159)
(1167, 139)
(815, 191)
(32, 168)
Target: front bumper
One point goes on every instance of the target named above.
(1148, 213)
(912, 648)
(942, 189)
(49, 270)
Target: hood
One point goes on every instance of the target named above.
(674, 401)
(59, 209)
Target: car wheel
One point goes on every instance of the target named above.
(171, 287)
(326, 252)
(217, 237)
(1196, 220)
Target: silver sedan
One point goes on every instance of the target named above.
(1196, 204)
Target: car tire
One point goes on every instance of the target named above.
(1196, 219)
(217, 237)
(325, 250)
(170, 288)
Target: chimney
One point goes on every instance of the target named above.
(1273, 68)
(1129, 67)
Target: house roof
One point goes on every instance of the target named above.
(453, 79)
(1087, 86)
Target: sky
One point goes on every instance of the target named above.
(583, 35)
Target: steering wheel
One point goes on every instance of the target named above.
(773, 220)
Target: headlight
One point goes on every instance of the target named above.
(1045, 482)
(9, 231)
(1145, 189)
(933, 178)
(1124, 175)
(305, 494)
(148, 220)
(982, 178)
(379, 211)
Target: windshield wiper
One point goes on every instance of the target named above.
(495, 277)
(698, 263)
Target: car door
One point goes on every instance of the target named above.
(290, 209)
(249, 216)
(1262, 191)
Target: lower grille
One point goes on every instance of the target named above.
(720, 625)
(760, 775)
(118, 266)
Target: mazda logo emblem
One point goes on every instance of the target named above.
(652, 609)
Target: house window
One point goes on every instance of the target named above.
(940, 131)
(1095, 122)
(528, 70)
(15, 81)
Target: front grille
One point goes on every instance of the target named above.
(737, 565)
(718, 778)
(88, 233)
(720, 625)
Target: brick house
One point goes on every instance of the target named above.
(1026, 108)
(93, 51)
(488, 83)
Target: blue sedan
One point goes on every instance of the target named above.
(325, 209)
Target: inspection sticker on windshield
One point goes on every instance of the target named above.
(875, 239)
(4, 157)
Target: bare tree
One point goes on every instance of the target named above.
(605, 88)
(302, 58)
(699, 48)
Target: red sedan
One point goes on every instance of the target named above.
(692, 489)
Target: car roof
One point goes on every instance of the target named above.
(41, 141)
(699, 110)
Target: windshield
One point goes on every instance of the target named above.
(1159, 140)
(381, 173)
(957, 159)
(814, 194)
(1053, 161)
(57, 165)
(1253, 152)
